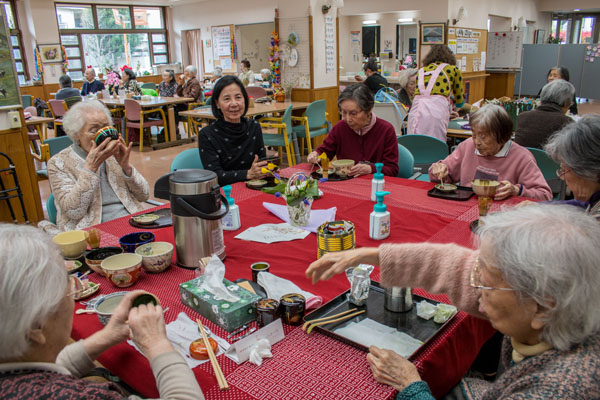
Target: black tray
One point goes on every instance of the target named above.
(406, 322)
(462, 193)
(164, 220)
(331, 177)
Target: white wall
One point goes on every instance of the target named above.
(427, 10)
(321, 77)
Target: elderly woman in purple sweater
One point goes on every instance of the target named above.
(491, 154)
(535, 277)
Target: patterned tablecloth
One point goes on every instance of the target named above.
(315, 366)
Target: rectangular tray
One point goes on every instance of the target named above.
(462, 193)
(406, 322)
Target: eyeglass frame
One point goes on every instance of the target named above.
(72, 284)
(561, 172)
(476, 270)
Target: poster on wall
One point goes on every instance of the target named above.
(356, 47)
(9, 91)
(221, 36)
(329, 45)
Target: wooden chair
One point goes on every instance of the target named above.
(58, 109)
(134, 118)
(283, 138)
(312, 124)
(192, 125)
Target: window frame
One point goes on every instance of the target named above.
(19, 34)
(97, 31)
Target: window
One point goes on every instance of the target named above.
(108, 37)
(371, 38)
(16, 41)
(577, 28)
(587, 30)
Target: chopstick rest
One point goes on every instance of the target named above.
(331, 319)
(223, 385)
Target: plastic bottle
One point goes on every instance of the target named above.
(377, 184)
(379, 226)
(231, 220)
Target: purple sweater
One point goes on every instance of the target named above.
(517, 167)
(377, 145)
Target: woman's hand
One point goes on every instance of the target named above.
(122, 155)
(524, 203)
(358, 78)
(255, 170)
(181, 80)
(439, 170)
(337, 262)
(313, 158)
(98, 154)
(360, 169)
(505, 190)
(147, 330)
(391, 369)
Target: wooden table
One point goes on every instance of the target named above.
(40, 124)
(456, 132)
(156, 102)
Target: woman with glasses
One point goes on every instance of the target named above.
(36, 308)
(577, 148)
(360, 135)
(535, 277)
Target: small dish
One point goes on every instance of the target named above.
(329, 171)
(256, 183)
(146, 219)
(91, 289)
(106, 305)
(446, 187)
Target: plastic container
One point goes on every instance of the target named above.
(379, 225)
(231, 220)
(378, 183)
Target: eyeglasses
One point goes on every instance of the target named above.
(476, 279)
(75, 287)
(561, 172)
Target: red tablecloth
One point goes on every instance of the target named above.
(314, 366)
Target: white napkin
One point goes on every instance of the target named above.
(317, 217)
(213, 281)
(271, 233)
(262, 349)
(181, 333)
(277, 287)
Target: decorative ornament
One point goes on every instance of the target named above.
(65, 63)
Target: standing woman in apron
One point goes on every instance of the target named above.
(436, 81)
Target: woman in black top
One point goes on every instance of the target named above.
(232, 145)
(559, 72)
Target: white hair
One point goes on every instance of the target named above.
(265, 71)
(218, 71)
(405, 75)
(549, 253)
(192, 70)
(33, 282)
(75, 118)
(558, 92)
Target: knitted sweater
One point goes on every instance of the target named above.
(553, 374)
(518, 166)
(377, 145)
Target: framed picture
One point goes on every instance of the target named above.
(433, 33)
(50, 53)
(540, 36)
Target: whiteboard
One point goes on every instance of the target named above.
(504, 50)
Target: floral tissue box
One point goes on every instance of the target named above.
(225, 314)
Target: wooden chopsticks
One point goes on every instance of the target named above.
(332, 318)
(223, 385)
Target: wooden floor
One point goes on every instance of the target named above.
(153, 164)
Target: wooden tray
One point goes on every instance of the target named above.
(407, 322)
(462, 193)
(165, 219)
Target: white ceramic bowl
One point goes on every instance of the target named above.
(72, 244)
(122, 269)
(156, 256)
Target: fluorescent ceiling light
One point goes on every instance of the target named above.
(370, 22)
(406, 19)
(577, 9)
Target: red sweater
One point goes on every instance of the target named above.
(377, 145)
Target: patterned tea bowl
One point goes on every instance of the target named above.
(132, 241)
(156, 257)
(122, 269)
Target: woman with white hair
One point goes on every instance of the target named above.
(491, 154)
(266, 76)
(36, 308)
(93, 183)
(536, 126)
(188, 84)
(408, 84)
(535, 277)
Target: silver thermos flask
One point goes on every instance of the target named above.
(398, 299)
(196, 210)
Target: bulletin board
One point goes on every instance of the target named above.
(469, 46)
(223, 47)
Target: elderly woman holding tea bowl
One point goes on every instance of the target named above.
(491, 154)
(94, 181)
(540, 293)
(360, 135)
(36, 307)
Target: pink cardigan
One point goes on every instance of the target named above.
(517, 167)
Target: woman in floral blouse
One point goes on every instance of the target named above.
(168, 86)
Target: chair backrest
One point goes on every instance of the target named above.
(58, 108)
(547, 165)
(58, 144)
(425, 149)
(406, 162)
(287, 120)
(315, 112)
(31, 110)
(208, 101)
(69, 101)
(187, 159)
(149, 85)
(51, 209)
(256, 92)
(27, 100)
(133, 109)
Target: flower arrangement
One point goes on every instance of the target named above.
(299, 188)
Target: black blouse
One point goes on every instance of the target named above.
(228, 149)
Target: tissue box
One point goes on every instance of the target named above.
(225, 314)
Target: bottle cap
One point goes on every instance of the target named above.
(378, 174)
(380, 207)
(227, 191)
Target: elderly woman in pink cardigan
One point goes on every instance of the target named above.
(535, 277)
(491, 154)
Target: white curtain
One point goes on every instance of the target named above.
(194, 50)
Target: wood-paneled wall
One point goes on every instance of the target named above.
(500, 84)
(477, 83)
(329, 94)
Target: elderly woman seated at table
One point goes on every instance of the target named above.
(577, 148)
(360, 135)
(232, 145)
(541, 293)
(36, 307)
(168, 86)
(491, 154)
(536, 126)
(93, 183)
(129, 84)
